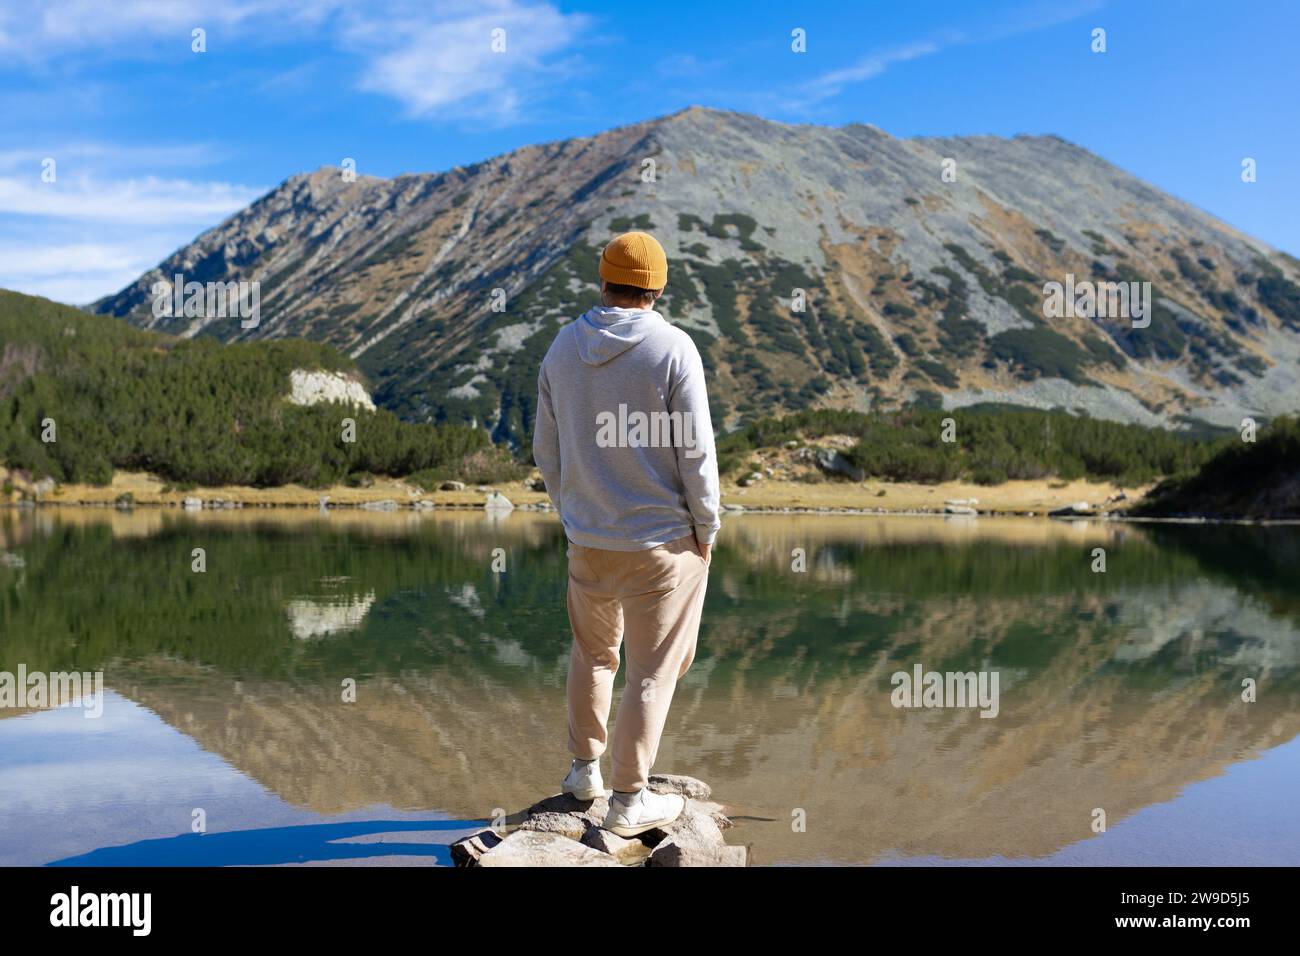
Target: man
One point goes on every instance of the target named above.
(625, 445)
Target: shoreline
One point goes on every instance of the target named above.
(1115, 516)
(1025, 499)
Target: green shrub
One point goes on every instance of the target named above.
(938, 372)
(1040, 353)
(1243, 480)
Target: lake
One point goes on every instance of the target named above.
(1119, 691)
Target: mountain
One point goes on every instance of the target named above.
(447, 288)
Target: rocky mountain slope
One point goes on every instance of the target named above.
(447, 288)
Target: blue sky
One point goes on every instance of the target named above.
(153, 143)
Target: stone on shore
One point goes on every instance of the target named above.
(833, 463)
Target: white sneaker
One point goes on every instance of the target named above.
(632, 814)
(584, 782)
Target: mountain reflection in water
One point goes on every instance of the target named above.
(1119, 690)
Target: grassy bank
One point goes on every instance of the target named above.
(1014, 497)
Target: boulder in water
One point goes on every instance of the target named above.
(538, 848)
(564, 831)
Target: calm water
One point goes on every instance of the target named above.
(1119, 691)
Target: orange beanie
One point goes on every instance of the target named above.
(637, 259)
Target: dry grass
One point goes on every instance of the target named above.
(148, 490)
(1012, 497)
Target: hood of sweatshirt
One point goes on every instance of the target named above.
(606, 332)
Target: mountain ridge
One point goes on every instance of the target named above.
(917, 290)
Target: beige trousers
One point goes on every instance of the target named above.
(650, 602)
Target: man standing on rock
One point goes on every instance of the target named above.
(625, 444)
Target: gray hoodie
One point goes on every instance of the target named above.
(623, 437)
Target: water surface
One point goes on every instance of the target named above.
(1119, 691)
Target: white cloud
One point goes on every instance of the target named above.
(143, 201)
(869, 67)
(113, 156)
(76, 262)
(446, 61)
(97, 228)
(1025, 19)
(71, 288)
(54, 260)
(428, 56)
(62, 26)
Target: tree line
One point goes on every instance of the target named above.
(988, 444)
(82, 395)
